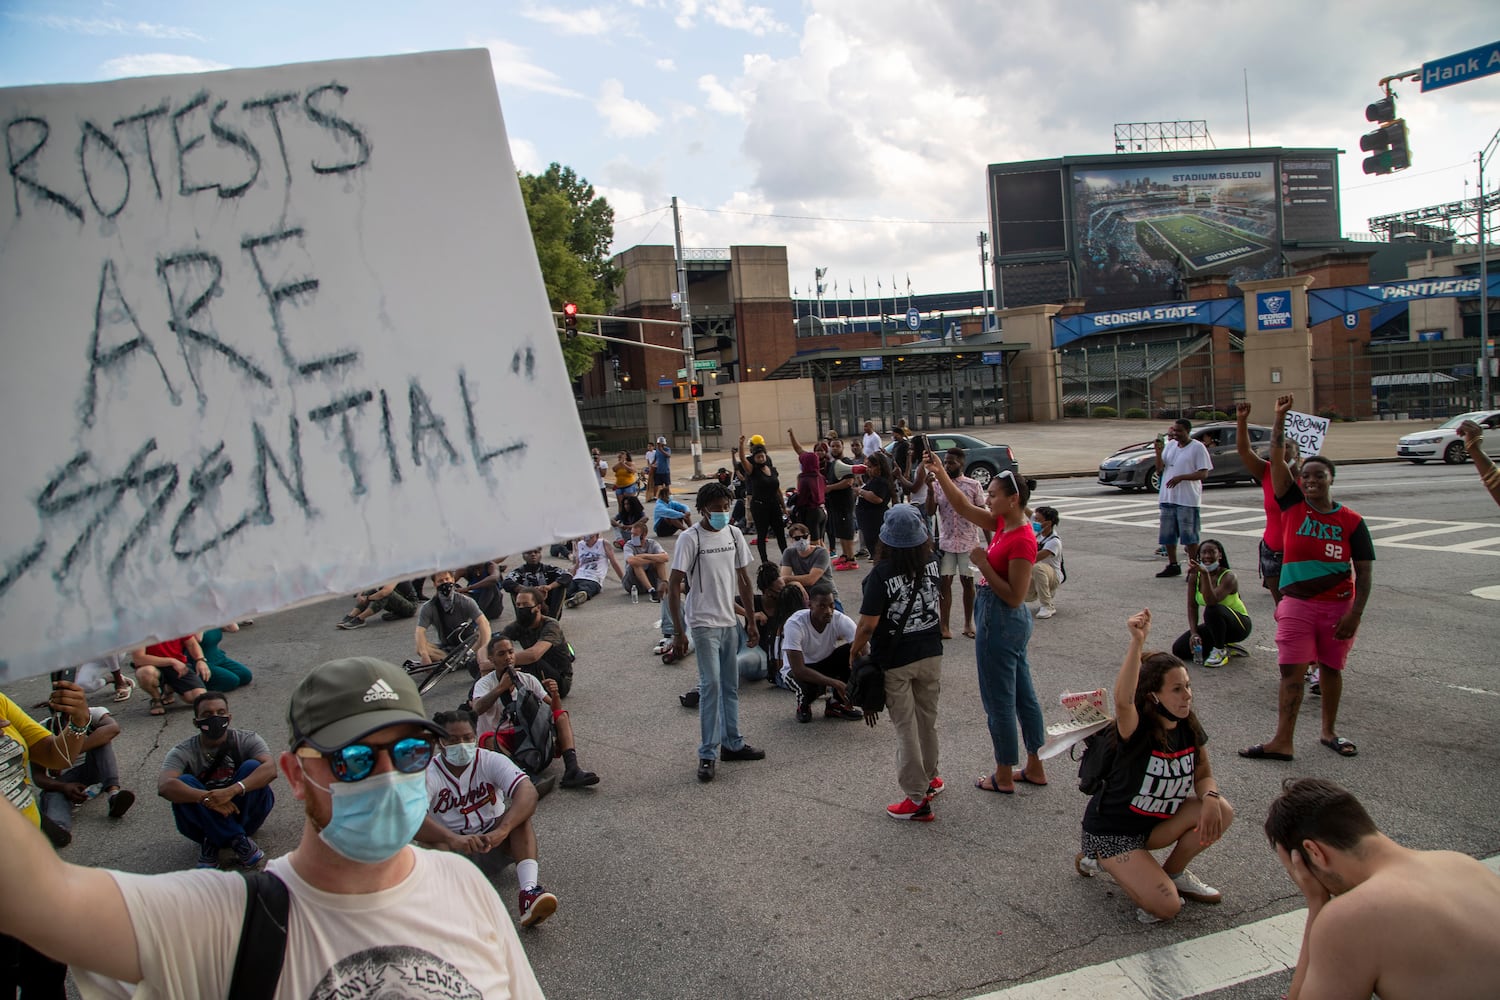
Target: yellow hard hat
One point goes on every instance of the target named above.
(756, 441)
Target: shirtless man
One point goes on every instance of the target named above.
(1382, 918)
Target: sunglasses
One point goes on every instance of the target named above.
(356, 761)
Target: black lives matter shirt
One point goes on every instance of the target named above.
(1148, 783)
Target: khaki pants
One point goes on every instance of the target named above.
(911, 699)
(1043, 583)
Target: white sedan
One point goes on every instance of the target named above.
(1444, 442)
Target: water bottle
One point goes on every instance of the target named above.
(93, 790)
(1197, 651)
(635, 595)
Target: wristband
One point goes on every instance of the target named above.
(246, 791)
(200, 660)
(73, 730)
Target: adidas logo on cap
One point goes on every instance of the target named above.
(381, 691)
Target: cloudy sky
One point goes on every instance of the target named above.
(855, 132)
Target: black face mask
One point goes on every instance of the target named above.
(213, 726)
(1162, 711)
(527, 614)
(446, 589)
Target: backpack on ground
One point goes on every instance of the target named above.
(532, 718)
(1099, 754)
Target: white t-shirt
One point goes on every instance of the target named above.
(798, 633)
(473, 800)
(709, 560)
(871, 444)
(1052, 544)
(601, 469)
(1179, 460)
(494, 718)
(441, 932)
(591, 561)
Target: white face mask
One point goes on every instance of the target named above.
(1211, 567)
(460, 754)
(802, 544)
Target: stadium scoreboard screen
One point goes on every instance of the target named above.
(1133, 227)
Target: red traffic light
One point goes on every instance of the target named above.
(570, 310)
(695, 390)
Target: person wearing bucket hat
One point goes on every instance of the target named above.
(364, 904)
(898, 625)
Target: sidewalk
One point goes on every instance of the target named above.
(1073, 447)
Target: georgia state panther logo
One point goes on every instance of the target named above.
(394, 972)
(1275, 303)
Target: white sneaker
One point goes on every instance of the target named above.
(1217, 658)
(1046, 612)
(1086, 866)
(1147, 918)
(661, 647)
(577, 599)
(1194, 888)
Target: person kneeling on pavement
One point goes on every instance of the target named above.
(815, 656)
(496, 701)
(480, 804)
(94, 771)
(219, 784)
(1157, 789)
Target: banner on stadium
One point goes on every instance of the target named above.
(1209, 312)
(270, 335)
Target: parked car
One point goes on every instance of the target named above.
(1134, 466)
(983, 460)
(1443, 442)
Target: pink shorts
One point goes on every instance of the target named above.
(1304, 632)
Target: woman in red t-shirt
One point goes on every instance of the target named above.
(1260, 471)
(1003, 623)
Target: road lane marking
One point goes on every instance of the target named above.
(1187, 969)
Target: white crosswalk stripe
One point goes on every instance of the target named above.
(1472, 538)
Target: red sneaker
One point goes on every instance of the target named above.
(907, 809)
(935, 788)
(536, 905)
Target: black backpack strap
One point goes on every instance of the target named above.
(257, 966)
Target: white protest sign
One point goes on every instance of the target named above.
(269, 335)
(1307, 430)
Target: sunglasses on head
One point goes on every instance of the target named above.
(356, 761)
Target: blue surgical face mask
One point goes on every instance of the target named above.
(718, 519)
(1036, 526)
(374, 818)
(460, 754)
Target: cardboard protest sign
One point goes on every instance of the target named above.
(269, 335)
(1307, 430)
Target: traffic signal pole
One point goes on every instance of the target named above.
(689, 358)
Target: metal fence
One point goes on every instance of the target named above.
(1419, 380)
(1161, 379)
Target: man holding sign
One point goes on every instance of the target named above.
(1326, 573)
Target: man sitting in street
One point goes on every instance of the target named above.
(544, 651)
(482, 583)
(815, 656)
(176, 665)
(669, 517)
(806, 561)
(646, 562)
(93, 772)
(397, 599)
(449, 611)
(480, 804)
(219, 784)
(534, 573)
(494, 702)
(592, 559)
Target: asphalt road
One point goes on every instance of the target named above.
(785, 877)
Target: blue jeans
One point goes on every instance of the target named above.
(1005, 677)
(718, 652)
(199, 823)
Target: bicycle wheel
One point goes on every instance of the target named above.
(438, 672)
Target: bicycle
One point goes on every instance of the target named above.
(462, 655)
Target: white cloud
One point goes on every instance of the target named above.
(527, 160)
(720, 99)
(624, 118)
(513, 68)
(157, 64)
(666, 65)
(109, 26)
(735, 15)
(581, 21)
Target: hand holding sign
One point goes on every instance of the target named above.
(1307, 432)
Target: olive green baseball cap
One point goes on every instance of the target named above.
(345, 700)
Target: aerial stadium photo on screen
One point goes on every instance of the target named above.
(1142, 230)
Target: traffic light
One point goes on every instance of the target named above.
(570, 318)
(1388, 142)
(695, 390)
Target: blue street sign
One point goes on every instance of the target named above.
(664, 382)
(1461, 67)
(992, 357)
(913, 320)
(1426, 335)
(874, 364)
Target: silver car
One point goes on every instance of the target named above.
(1443, 442)
(1134, 466)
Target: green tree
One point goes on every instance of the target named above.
(572, 229)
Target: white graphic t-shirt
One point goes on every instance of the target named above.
(473, 800)
(591, 563)
(404, 941)
(710, 560)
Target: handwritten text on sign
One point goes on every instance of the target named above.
(1307, 430)
(269, 335)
